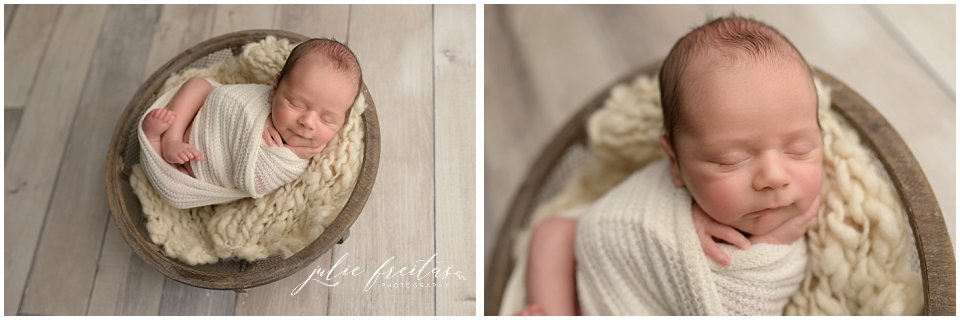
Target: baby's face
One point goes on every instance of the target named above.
(310, 104)
(750, 151)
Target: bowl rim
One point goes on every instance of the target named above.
(117, 174)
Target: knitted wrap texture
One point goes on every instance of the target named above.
(638, 254)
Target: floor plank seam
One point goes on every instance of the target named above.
(9, 22)
(914, 53)
(96, 270)
(433, 84)
(63, 155)
(13, 134)
(349, 16)
(43, 58)
(513, 43)
(46, 210)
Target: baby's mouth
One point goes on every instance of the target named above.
(299, 135)
(766, 211)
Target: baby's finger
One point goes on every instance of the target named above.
(276, 137)
(267, 138)
(713, 251)
(728, 234)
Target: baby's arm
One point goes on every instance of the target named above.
(708, 229)
(551, 274)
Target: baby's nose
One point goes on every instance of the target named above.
(772, 174)
(309, 121)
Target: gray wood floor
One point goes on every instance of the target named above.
(543, 62)
(71, 69)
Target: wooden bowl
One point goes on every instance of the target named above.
(934, 248)
(231, 274)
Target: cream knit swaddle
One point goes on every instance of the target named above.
(638, 254)
(235, 161)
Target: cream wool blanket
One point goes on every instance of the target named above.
(236, 162)
(861, 258)
(638, 254)
(281, 222)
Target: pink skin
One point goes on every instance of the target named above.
(551, 269)
(307, 109)
(309, 106)
(752, 156)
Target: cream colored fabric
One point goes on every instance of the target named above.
(859, 247)
(281, 222)
(638, 254)
(237, 163)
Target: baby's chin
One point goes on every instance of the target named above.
(758, 226)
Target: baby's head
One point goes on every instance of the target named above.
(740, 124)
(314, 91)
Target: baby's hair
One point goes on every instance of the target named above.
(338, 54)
(734, 38)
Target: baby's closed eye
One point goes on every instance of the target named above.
(730, 159)
(800, 150)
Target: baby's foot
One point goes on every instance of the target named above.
(155, 124)
(177, 152)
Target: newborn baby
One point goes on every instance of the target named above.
(257, 137)
(745, 156)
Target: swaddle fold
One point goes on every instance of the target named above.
(236, 163)
(638, 254)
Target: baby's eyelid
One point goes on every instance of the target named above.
(801, 149)
(730, 160)
(329, 120)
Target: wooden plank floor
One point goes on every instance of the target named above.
(543, 62)
(71, 69)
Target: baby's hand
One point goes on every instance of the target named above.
(791, 230)
(531, 310)
(270, 133)
(707, 229)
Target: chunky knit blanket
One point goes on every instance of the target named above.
(281, 222)
(236, 163)
(638, 254)
(861, 258)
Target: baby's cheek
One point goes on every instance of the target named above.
(720, 200)
(811, 178)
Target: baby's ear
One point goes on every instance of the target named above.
(674, 167)
(273, 88)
